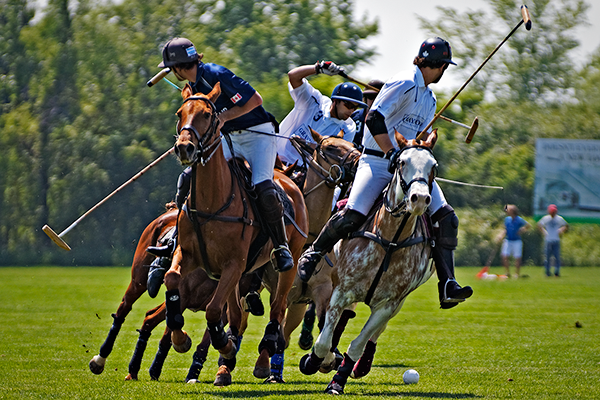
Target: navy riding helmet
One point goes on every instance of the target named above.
(178, 51)
(350, 92)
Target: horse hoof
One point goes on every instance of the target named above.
(97, 364)
(306, 340)
(262, 367)
(334, 388)
(223, 377)
(130, 377)
(185, 346)
(309, 364)
(326, 368)
(274, 379)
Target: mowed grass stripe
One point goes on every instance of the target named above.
(514, 339)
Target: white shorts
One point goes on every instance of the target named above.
(372, 177)
(512, 248)
(259, 150)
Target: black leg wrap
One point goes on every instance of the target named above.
(218, 337)
(271, 338)
(344, 371)
(138, 353)
(158, 362)
(173, 304)
(340, 327)
(108, 344)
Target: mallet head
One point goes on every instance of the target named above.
(526, 17)
(55, 238)
(472, 131)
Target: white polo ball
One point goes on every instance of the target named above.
(410, 376)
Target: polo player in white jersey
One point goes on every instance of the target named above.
(406, 104)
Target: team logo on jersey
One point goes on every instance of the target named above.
(318, 116)
(237, 97)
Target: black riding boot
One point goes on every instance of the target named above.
(271, 210)
(338, 227)
(183, 189)
(451, 293)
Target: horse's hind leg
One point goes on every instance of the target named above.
(136, 288)
(153, 318)
(198, 358)
(161, 355)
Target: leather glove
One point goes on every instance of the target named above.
(393, 155)
(328, 68)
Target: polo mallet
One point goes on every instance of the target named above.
(527, 21)
(158, 77)
(471, 128)
(57, 238)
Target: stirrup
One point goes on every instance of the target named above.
(459, 296)
(283, 259)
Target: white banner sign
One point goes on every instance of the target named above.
(567, 173)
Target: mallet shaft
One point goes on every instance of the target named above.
(455, 122)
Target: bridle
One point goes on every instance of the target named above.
(341, 168)
(398, 209)
(204, 149)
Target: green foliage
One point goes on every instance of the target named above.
(513, 339)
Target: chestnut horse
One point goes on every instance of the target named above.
(374, 268)
(218, 234)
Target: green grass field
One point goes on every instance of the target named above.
(514, 339)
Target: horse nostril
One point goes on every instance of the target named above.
(427, 200)
(414, 198)
(190, 149)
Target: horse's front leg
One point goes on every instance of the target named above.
(174, 309)
(310, 363)
(230, 277)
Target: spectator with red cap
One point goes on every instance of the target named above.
(552, 226)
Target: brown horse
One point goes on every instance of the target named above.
(403, 261)
(330, 162)
(217, 234)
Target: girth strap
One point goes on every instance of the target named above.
(390, 247)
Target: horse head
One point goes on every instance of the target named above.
(338, 154)
(414, 170)
(197, 136)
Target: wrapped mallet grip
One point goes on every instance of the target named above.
(156, 78)
(472, 130)
(526, 17)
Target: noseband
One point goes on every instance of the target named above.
(339, 164)
(406, 186)
(204, 150)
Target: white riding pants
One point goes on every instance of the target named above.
(259, 150)
(372, 177)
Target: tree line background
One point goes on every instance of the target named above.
(77, 120)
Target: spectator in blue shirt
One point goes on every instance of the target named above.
(512, 246)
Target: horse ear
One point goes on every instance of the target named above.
(187, 91)
(315, 135)
(215, 92)
(340, 134)
(402, 142)
(431, 139)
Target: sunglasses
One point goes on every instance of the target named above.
(349, 105)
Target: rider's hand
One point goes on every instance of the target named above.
(328, 68)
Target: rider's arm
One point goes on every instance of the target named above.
(297, 74)
(234, 112)
(377, 127)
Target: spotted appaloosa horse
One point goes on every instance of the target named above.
(385, 261)
(217, 234)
